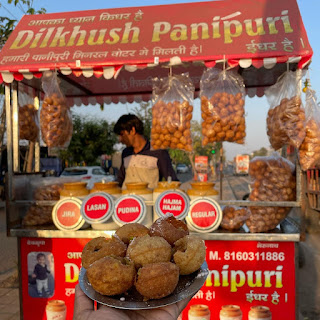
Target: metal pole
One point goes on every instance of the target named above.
(221, 170)
(15, 128)
(37, 145)
(9, 141)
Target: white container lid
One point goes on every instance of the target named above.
(173, 202)
(66, 214)
(205, 215)
(97, 207)
(129, 209)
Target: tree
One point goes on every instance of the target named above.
(7, 24)
(261, 152)
(90, 139)
(144, 112)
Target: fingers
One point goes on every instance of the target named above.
(183, 303)
(82, 304)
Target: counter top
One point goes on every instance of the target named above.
(287, 231)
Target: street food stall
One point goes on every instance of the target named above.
(110, 56)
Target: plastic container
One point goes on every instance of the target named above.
(203, 189)
(74, 189)
(259, 313)
(141, 189)
(161, 187)
(230, 312)
(111, 187)
(97, 209)
(66, 214)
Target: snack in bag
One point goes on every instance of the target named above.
(222, 106)
(55, 116)
(286, 116)
(273, 180)
(234, 217)
(28, 118)
(172, 112)
(309, 151)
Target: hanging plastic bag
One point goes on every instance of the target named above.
(234, 217)
(273, 180)
(309, 151)
(172, 112)
(55, 116)
(28, 118)
(286, 116)
(222, 106)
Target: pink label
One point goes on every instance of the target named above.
(172, 203)
(128, 210)
(96, 207)
(68, 214)
(204, 214)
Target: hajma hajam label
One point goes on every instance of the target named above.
(205, 215)
(97, 207)
(129, 209)
(66, 214)
(173, 202)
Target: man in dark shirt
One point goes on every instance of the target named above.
(139, 163)
(41, 274)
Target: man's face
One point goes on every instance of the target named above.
(126, 138)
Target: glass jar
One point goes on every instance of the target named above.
(161, 187)
(230, 312)
(141, 189)
(111, 187)
(203, 189)
(199, 312)
(74, 189)
(260, 313)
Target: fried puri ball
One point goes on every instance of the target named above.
(100, 247)
(169, 228)
(190, 253)
(130, 231)
(146, 249)
(157, 280)
(111, 276)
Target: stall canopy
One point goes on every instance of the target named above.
(111, 55)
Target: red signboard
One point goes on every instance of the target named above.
(243, 273)
(143, 35)
(173, 202)
(248, 273)
(201, 168)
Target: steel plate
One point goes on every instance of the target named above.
(187, 286)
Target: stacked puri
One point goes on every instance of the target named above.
(171, 125)
(28, 123)
(149, 263)
(55, 121)
(223, 118)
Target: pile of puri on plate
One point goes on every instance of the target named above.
(151, 260)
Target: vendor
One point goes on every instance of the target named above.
(139, 163)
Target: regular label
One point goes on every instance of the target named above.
(129, 209)
(205, 214)
(173, 202)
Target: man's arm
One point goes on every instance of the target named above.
(121, 173)
(165, 167)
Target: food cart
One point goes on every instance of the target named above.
(110, 56)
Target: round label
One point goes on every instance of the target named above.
(173, 202)
(97, 207)
(205, 215)
(66, 214)
(129, 209)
